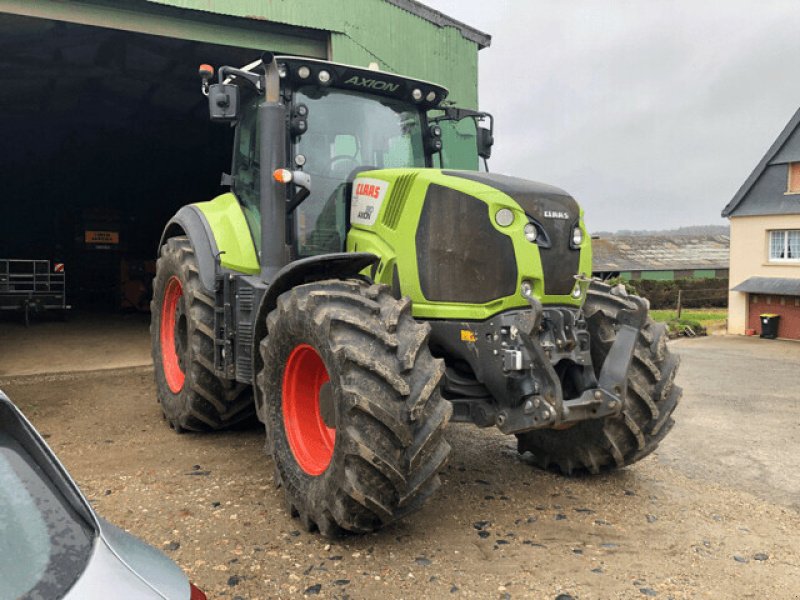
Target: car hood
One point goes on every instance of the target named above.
(131, 568)
(120, 565)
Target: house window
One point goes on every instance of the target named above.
(793, 184)
(784, 244)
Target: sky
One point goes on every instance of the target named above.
(651, 113)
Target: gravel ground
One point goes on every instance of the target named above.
(687, 522)
(85, 342)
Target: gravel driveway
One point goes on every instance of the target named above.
(713, 514)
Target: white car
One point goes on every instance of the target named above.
(53, 544)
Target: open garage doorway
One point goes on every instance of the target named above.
(105, 134)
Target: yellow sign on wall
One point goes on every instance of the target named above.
(101, 237)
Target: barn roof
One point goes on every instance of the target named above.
(660, 252)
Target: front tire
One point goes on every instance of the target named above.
(351, 404)
(613, 442)
(182, 337)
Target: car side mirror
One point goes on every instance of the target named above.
(223, 102)
(485, 141)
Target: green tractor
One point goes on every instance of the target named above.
(365, 282)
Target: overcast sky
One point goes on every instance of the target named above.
(651, 113)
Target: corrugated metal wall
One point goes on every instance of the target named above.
(364, 31)
(175, 23)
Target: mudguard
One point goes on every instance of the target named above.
(189, 221)
(217, 230)
(314, 268)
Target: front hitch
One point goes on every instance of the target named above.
(612, 385)
(602, 397)
(519, 359)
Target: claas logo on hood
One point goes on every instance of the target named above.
(556, 214)
(368, 189)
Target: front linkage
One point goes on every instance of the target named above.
(536, 366)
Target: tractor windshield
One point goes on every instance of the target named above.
(347, 131)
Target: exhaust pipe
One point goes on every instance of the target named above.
(272, 122)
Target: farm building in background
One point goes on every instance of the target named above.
(105, 131)
(661, 257)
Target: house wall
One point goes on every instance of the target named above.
(749, 257)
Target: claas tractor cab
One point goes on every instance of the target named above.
(366, 281)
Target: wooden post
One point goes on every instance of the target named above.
(678, 309)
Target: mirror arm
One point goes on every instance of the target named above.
(302, 182)
(298, 199)
(452, 113)
(254, 79)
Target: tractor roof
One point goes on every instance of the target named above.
(309, 71)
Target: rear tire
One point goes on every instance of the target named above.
(597, 445)
(381, 458)
(182, 336)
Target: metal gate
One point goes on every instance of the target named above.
(31, 286)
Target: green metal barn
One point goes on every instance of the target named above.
(106, 134)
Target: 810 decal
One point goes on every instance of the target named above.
(368, 195)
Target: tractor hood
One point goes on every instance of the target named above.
(555, 214)
(464, 244)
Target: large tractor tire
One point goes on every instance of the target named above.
(182, 334)
(349, 394)
(613, 442)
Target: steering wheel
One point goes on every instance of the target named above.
(341, 165)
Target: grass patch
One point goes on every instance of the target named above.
(697, 319)
(705, 316)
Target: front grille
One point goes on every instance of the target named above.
(461, 257)
(560, 261)
(397, 200)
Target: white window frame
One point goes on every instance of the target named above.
(785, 234)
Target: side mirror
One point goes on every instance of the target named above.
(485, 141)
(223, 102)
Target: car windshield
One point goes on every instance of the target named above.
(44, 544)
(347, 130)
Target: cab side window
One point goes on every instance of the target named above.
(246, 166)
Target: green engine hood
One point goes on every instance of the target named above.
(440, 242)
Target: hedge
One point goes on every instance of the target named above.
(697, 293)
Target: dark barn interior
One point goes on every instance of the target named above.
(105, 134)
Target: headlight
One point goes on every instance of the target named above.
(531, 233)
(504, 217)
(526, 289)
(577, 236)
(577, 292)
(303, 72)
